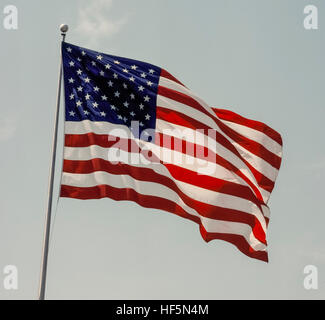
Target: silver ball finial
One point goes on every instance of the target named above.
(64, 28)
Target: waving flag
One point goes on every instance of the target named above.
(135, 132)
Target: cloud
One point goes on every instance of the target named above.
(8, 126)
(94, 21)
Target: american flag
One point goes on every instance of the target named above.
(134, 132)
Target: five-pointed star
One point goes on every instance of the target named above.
(87, 96)
(108, 66)
(86, 112)
(132, 79)
(132, 114)
(147, 116)
(103, 114)
(141, 88)
(96, 88)
(95, 104)
(116, 62)
(71, 96)
(71, 80)
(113, 107)
(71, 63)
(79, 88)
(125, 86)
(83, 53)
(126, 104)
(143, 75)
(110, 83)
(99, 57)
(72, 113)
(104, 98)
(116, 94)
(93, 63)
(87, 80)
(125, 70)
(79, 72)
(149, 83)
(79, 103)
(146, 98)
(69, 49)
(132, 96)
(151, 71)
(79, 59)
(102, 73)
(134, 67)
(115, 75)
(119, 116)
(141, 106)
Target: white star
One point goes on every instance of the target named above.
(96, 88)
(143, 75)
(132, 114)
(71, 63)
(116, 62)
(102, 73)
(113, 107)
(126, 104)
(116, 94)
(119, 116)
(72, 113)
(79, 59)
(103, 114)
(95, 104)
(83, 53)
(149, 83)
(151, 71)
(141, 88)
(71, 80)
(80, 88)
(104, 98)
(93, 63)
(87, 80)
(141, 106)
(108, 66)
(86, 112)
(132, 96)
(115, 76)
(146, 98)
(132, 79)
(99, 57)
(69, 49)
(71, 96)
(79, 103)
(147, 116)
(125, 119)
(125, 70)
(141, 124)
(125, 86)
(134, 67)
(79, 72)
(87, 96)
(110, 83)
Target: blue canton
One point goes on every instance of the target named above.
(101, 87)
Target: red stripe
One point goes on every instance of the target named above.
(167, 75)
(257, 125)
(237, 240)
(147, 174)
(105, 191)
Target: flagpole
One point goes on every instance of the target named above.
(64, 29)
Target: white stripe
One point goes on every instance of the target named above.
(156, 189)
(257, 136)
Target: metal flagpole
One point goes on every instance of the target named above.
(63, 28)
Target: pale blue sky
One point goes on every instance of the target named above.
(251, 56)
